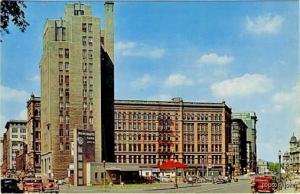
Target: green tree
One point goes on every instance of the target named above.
(12, 11)
(274, 167)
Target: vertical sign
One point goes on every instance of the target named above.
(84, 152)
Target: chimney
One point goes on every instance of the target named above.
(109, 29)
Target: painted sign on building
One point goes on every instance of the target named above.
(84, 152)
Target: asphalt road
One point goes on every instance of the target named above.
(243, 186)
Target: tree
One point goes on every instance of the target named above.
(12, 11)
(274, 167)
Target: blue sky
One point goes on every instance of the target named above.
(246, 53)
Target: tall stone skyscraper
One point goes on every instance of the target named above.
(76, 54)
(250, 120)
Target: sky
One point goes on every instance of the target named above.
(245, 53)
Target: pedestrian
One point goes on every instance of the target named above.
(253, 185)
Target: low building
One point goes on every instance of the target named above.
(262, 166)
(148, 132)
(15, 138)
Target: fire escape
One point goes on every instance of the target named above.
(165, 142)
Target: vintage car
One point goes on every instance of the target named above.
(9, 185)
(50, 186)
(32, 185)
(265, 184)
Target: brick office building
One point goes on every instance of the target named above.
(148, 132)
(33, 135)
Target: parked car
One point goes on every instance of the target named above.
(220, 180)
(32, 185)
(190, 179)
(50, 186)
(10, 185)
(165, 179)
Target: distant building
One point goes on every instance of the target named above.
(294, 154)
(149, 132)
(14, 140)
(238, 146)
(1, 153)
(250, 120)
(262, 166)
(33, 135)
(286, 160)
(77, 86)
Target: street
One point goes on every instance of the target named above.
(242, 186)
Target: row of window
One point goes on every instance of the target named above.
(87, 27)
(165, 148)
(153, 116)
(87, 54)
(146, 159)
(63, 53)
(87, 40)
(16, 130)
(152, 159)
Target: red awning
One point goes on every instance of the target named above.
(171, 164)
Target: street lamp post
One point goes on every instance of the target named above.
(279, 157)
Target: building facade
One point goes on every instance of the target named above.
(1, 154)
(71, 85)
(250, 120)
(238, 146)
(13, 142)
(262, 166)
(294, 154)
(149, 132)
(33, 135)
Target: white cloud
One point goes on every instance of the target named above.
(13, 95)
(283, 99)
(133, 49)
(245, 85)
(143, 81)
(177, 80)
(264, 24)
(215, 59)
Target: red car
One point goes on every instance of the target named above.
(50, 186)
(265, 184)
(32, 185)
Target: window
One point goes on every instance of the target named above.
(60, 66)
(84, 53)
(91, 93)
(60, 52)
(61, 92)
(91, 121)
(84, 93)
(67, 80)
(91, 81)
(67, 92)
(15, 130)
(84, 41)
(91, 67)
(84, 80)
(90, 53)
(83, 27)
(90, 41)
(90, 29)
(84, 67)
(66, 53)
(67, 66)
